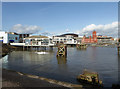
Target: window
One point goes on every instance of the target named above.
(16, 38)
(64, 39)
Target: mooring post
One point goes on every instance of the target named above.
(51, 47)
(62, 51)
(45, 48)
(31, 47)
(23, 47)
(118, 49)
(27, 48)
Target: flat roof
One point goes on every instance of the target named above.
(37, 37)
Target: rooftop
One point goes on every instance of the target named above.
(37, 37)
(63, 35)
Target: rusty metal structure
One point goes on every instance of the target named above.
(62, 51)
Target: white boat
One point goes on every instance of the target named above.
(42, 52)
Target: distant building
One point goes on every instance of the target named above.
(105, 39)
(79, 39)
(68, 38)
(90, 39)
(22, 36)
(9, 37)
(38, 40)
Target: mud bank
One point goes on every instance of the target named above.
(5, 48)
(17, 79)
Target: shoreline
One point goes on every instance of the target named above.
(14, 79)
(11, 78)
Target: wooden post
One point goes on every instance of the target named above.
(45, 48)
(62, 51)
(31, 47)
(27, 48)
(51, 47)
(118, 49)
(23, 47)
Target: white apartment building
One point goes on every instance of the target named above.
(38, 41)
(9, 37)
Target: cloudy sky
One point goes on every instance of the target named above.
(53, 18)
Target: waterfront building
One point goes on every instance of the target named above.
(79, 39)
(38, 40)
(9, 37)
(22, 36)
(69, 38)
(90, 39)
(106, 39)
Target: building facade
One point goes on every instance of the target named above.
(9, 37)
(22, 36)
(90, 39)
(69, 38)
(38, 40)
(105, 39)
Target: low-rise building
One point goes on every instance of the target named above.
(22, 36)
(9, 37)
(105, 39)
(68, 38)
(38, 40)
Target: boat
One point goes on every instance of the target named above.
(42, 52)
(90, 78)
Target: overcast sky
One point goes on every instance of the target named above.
(52, 18)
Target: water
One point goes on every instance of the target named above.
(103, 60)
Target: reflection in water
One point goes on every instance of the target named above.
(5, 59)
(82, 49)
(62, 60)
(93, 53)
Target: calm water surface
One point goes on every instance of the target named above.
(103, 60)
